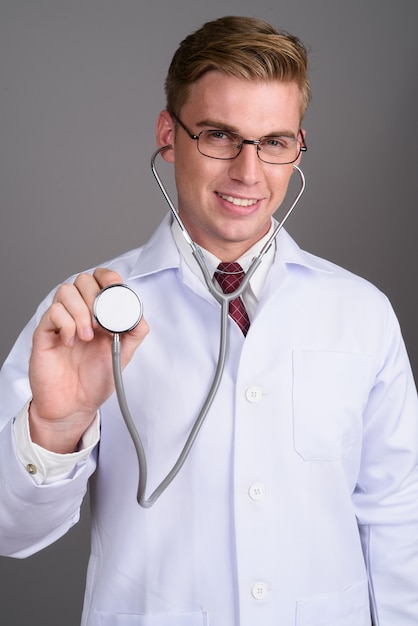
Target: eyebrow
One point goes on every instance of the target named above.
(209, 124)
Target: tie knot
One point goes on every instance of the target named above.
(229, 276)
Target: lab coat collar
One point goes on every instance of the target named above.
(291, 254)
(161, 253)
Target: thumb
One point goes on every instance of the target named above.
(132, 339)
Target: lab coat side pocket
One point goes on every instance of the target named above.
(329, 394)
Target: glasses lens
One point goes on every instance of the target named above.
(219, 144)
(280, 149)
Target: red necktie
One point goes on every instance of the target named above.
(230, 276)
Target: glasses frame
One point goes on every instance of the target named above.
(253, 142)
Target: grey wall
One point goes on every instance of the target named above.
(80, 88)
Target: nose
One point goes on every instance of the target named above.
(246, 167)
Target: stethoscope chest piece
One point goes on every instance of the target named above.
(117, 308)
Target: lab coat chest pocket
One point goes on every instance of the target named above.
(329, 393)
(194, 618)
(349, 607)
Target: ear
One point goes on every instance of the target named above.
(165, 135)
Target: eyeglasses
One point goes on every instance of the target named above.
(226, 145)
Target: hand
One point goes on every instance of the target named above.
(70, 369)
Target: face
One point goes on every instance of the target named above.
(227, 205)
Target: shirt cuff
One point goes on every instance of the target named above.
(47, 467)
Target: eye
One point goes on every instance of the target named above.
(218, 136)
(276, 143)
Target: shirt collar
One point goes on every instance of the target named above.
(257, 280)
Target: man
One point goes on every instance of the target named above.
(298, 502)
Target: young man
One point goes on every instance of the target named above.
(298, 502)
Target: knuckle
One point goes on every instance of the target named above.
(62, 291)
(82, 279)
(107, 276)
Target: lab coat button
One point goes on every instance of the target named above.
(31, 468)
(257, 491)
(259, 590)
(253, 394)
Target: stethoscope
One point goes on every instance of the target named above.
(118, 309)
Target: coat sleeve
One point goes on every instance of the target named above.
(386, 497)
(31, 516)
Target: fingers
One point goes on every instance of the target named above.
(106, 277)
(56, 326)
(70, 314)
(89, 285)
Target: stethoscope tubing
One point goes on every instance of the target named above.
(224, 300)
(145, 502)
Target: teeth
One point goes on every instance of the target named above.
(238, 201)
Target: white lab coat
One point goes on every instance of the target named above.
(312, 436)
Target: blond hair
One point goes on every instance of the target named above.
(242, 47)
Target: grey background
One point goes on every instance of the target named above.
(81, 84)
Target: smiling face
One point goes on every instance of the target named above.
(227, 205)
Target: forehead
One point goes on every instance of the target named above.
(241, 103)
